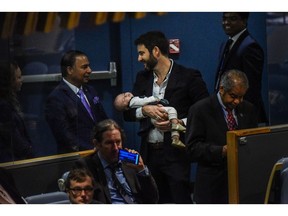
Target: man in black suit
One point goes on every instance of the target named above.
(245, 54)
(70, 119)
(207, 124)
(182, 87)
(134, 183)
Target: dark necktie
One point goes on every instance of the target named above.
(119, 187)
(85, 103)
(231, 122)
(226, 49)
(225, 52)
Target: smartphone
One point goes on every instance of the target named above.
(129, 157)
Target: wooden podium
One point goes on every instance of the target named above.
(251, 155)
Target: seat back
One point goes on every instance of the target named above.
(57, 197)
(277, 188)
(284, 182)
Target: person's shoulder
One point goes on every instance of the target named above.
(184, 70)
(61, 87)
(249, 40)
(89, 88)
(246, 104)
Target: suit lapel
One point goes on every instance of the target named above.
(96, 163)
(172, 82)
(235, 48)
(68, 91)
(129, 175)
(240, 116)
(218, 112)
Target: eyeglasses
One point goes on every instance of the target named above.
(77, 190)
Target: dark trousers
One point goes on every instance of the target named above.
(172, 178)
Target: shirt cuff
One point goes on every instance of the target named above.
(184, 121)
(144, 172)
(139, 114)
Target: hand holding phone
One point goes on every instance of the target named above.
(126, 156)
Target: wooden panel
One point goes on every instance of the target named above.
(251, 155)
(8, 24)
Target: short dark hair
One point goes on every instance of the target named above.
(78, 175)
(152, 39)
(243, 15)
(68, 60)
(106, 125)
(229, 77)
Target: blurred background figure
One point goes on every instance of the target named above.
(15, 143)
(9, 194)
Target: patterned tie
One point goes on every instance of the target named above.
(85, 103)
(119, 187)
(231, 122)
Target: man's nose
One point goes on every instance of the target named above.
(139, 58)
(89, 70)
(115, 146)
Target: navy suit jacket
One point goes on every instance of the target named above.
(205, 138)
(68, 119)
(143, 188)
(185, 87)
(248, 56)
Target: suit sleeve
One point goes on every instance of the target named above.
(148, 189)
(199, 148)
(253, 60)
(57, 118)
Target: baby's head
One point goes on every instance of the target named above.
(122, 100)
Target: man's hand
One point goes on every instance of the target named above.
(163, 125)
(140, 165)
(156, 112)
(224, 151)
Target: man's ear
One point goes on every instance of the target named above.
(95, 143)
(221, 90)
(69, 70)
(156, 52)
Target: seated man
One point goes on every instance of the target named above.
(119, 182)
(127, 100)
(80, 186)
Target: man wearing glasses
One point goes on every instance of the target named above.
(242, 52)
(80, 186)
(207, 124)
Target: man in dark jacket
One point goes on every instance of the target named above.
(182, 87)
(73, 108)
(117, 182)
(242, 52)
(207, 124)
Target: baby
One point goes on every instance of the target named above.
(127, 100)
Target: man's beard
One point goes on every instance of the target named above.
(151, 63)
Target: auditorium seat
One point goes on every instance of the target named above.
(277, 188)
(57, 197)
